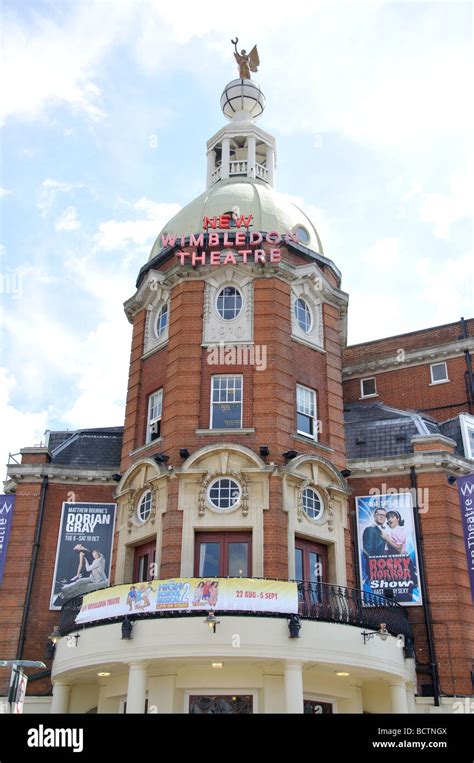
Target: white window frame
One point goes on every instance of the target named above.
(211, 412)
(160, 336)
(242, 306)
(371, 394)
(308, 331)
(228, 508)
(439, 381)
(151, 422)
(314, 436)
(321, 503)
(467, 424)
(141, 521)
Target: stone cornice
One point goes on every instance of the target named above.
(425, 460)
(430, 354)
(58, 473)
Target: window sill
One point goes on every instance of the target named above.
(442, 381)
(308, 343)
(158, 441)
(225, 431)
(365, 397)
(310, 441)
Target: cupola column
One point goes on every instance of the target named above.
(225, 167)
(211, 165)
(270, 164)
(251, 156)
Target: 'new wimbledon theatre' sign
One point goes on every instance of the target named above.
(237, 245)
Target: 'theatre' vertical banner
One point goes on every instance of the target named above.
(84, 550)
(7, 503)
(466, 501)
(388, 557)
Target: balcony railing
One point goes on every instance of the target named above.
(317, 601)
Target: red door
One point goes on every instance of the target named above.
(222, 555)
(143, 561)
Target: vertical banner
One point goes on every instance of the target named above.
(466, 501)
(7, 502)
(17, 690)
(388, 557)
(84, 550)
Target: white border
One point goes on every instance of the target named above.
(79, 503)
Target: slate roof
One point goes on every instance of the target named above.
(93, 448)
(375, 430)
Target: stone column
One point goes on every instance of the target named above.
(105, 704)
(398, 697)
(271, 164)
(251, 156)
(293, 687)
(136, 692)
(410, 689)
(211, 165)
(61, 692)
(225, 169)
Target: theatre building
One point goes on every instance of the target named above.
(218, 554)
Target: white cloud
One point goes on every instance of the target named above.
(443, 210)
(116, 234)
(49, 190)
(384, 252)
(20, 428)
(4, 192)
(68, 220)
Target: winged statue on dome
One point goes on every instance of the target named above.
(247, 62)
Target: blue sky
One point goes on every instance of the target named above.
(106, 110)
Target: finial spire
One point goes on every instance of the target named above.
(247, 62)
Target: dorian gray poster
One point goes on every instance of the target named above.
(84, 550)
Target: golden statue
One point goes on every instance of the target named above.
(247, 62)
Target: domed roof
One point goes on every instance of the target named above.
(271, 212)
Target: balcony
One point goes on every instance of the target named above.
(240, 168)
(322, 602)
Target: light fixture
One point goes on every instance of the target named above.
(342, 674)
(53, 639)
(212, 621)
(346, 473)
(294, 626)
(127, 627)
(382, 633)
(116, 477)
(452, 479)
(184, 452)
(290, 454)
(264, 451)
(216, 664)
(161, 458)
(103, 675)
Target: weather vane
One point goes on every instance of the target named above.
(247, 62)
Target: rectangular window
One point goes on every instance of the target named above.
(306, 412)
(155, 404)
(439, 373)
(226, 402)
(368, 387)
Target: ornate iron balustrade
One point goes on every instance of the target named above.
(317, 601)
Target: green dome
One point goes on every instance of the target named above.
(271, 212)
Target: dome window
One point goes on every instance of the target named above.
(303, 235)
(162, 320)
(229, 303)
(312, 503)
(303, 315)
(224, 493)
(144, 507)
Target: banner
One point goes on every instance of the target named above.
(84, 550)
(17, 690)
(190, 595)
(7, 503)
(466, 501)
(388, 557)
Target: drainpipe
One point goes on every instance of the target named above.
(424, 590)
(31, 576)
(468, 374)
